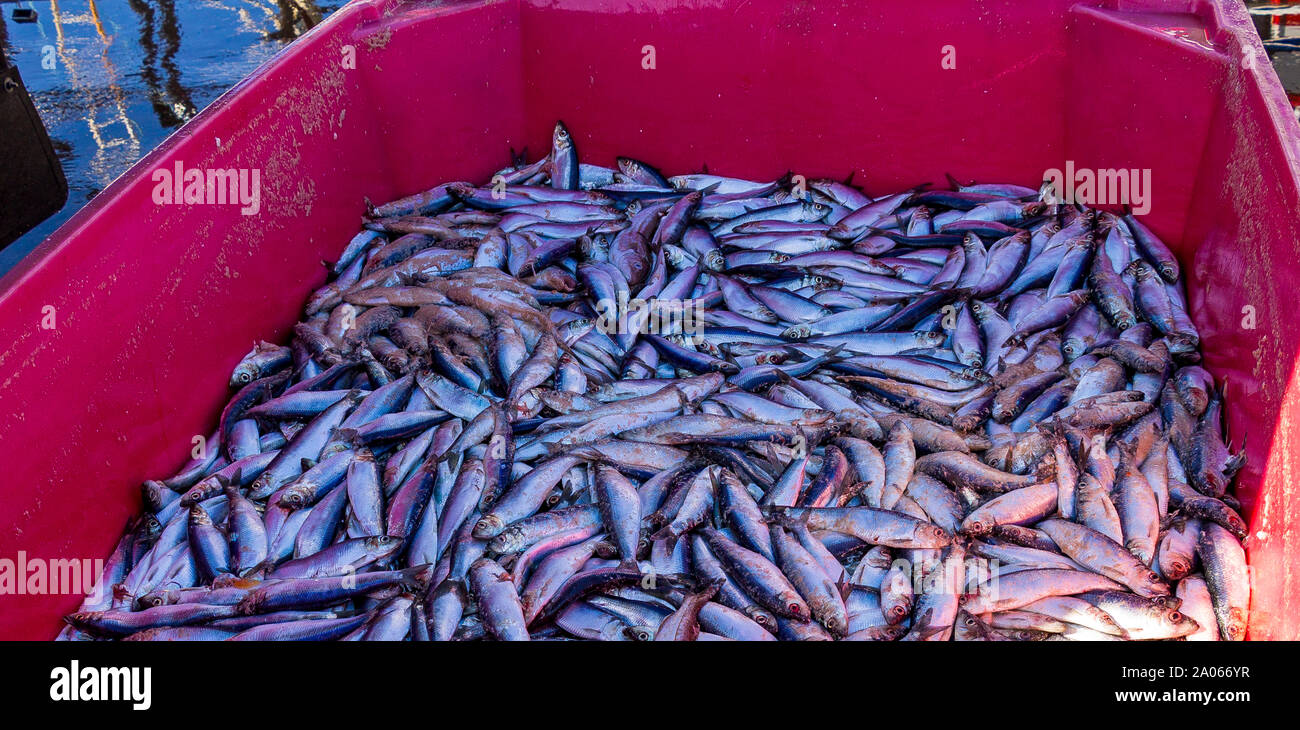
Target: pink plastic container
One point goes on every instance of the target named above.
(153, 305)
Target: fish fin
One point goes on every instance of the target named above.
(952, 181)
(833, 354)
(418, 576)
(844, 586)
(1045, 470)
(729, 359)
(666, 533)
(455, 461)
(769, 454)
(711, 589)
(307, 464)
(681, 581)
(923, 187)
(1235, 462)
(849, 180)
(793, 352)
(587, 453)
(683, 402)
(260, 571)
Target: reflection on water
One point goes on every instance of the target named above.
(173, 106)
(112, 78)
(293, 15)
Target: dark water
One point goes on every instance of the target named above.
(111, 79)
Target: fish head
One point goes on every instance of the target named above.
(1152, 584)
(152, 599)
(1029, 210)
(1180, 624)
(762, 618)
(460, 190)
(629, 166)
(150, 526)
(293, 499)
(1139, 270)
(1073, 347)
(969, 626)
(715, 260)
(1235, 628)
(243, 375)
(834, 620)
(83, 619)
(560, 138)
(930, 339)
(815, 209)
(795, 606)
(383, 542)
(897, 612)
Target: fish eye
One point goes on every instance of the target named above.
(1175, 617)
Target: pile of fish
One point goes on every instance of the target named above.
(594, 403)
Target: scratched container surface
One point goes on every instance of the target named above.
(153, 305)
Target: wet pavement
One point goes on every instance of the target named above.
(111, 79)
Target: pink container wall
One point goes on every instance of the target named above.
(154, 305)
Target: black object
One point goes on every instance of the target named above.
(32, 186)
(23, 15)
